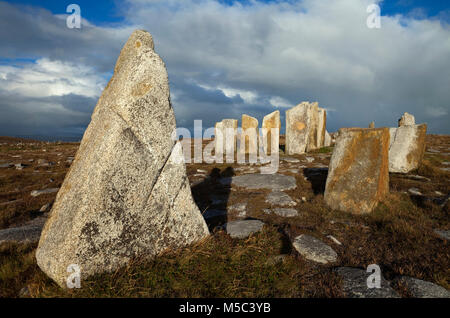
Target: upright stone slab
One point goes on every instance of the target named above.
(407, 147)
(301, 128)
(358, 176)
(271, 121)
(322, 124)
(249, 135)
(406, 119)
(219, 140)
(126, 193)
(372, 124)
(327, 142)
(226, 137)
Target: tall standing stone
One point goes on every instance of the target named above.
(327, 142)
(407, 119)
(372, 124)
(322, 124)
(407, 147)
(302, 128)
(226, 137)
(249, 135)
(269, 122)
(126, 193)
(358, 176)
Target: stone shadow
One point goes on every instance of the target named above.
(317, 177)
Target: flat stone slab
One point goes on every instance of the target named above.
(243, 228)
(291, 160)
(36, 193)
(262, 181)
(280, 198)
(30, 232)
(284, 212)
(355, 284)
(314, 249)
(422, 289)
(445, 234)
(241, 208)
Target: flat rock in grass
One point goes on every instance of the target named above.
(417, 177)
(355, 284)
(27, 233)
(414, 191)
(418, 288)
(291, 160)
(262, 181)
(284, 212)
(36, 193)
(243, 228)
(314, 249)
(445, 234)
(280, 198)
(241, 208)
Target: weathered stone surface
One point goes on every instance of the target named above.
(271, 121)
(243, 228)
(355, 284)
(280, 198)
(262, 181)
(228, 136)
(284, 212)
(314, 249)
(445, 234)
(327, 142)
(241, 208)
(422, 289)
(126, 193)
(358, 176)
(407, 119)
(407, 147)
(301, 128)
(30, 232)
(36, 193)
(249, 135)
(372, 124)
(321, 127)
(291, 160)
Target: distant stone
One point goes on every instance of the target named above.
(249, 135)
(418, 288)
(309, 159)
(372, 124)
(36, 193)
(327, 142)
(241, 208)
(445, 234)
(358, 176)
(243, 228)
(284, 212)
(417, 177)
(271, 121)
(280, 198)
(262, 181)
(355, 284)
(127, 194)
(414, 191)
(407, 147)
(291, 160)
(19, 166)
(314, 249)
(406, 120)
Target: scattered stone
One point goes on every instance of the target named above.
(445, 234)
(280, 198)
(201, 171)
(30, 232)
(262, 181)
(36, 193)
(45, 208)
(438, 193)
(414, 191)
(6, 165)
(269, 122)
(418, 288)
(358, 176)
(355, 284)
(309, 159)
(241, 208)
(10, 202)
(127, 194)
(406, 119)
(303, 199)
(335, 240)
(416, 177)
(407, 147)
(314, 249)
(284, 212)
(291, 160)
(243, 228)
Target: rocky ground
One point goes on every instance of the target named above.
(273, 236)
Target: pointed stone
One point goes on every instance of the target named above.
(126, 193)
(327, 142)
(372, 124)
(271, 121)
(358, 176)
(407, 119)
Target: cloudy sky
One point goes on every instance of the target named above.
(226, 58)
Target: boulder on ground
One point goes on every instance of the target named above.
(422, 289)
(407, 147)
(126, 193)
(269, 122)
(358, 176)
(407, 119)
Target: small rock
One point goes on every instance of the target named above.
(45, 208)
(422, 289)
(19, 166)
(6, 165)
(303, 199)
(280, 198)
(414, 191)
(262, 181)
(240, 208)
(314, 249)
(309, 159)
(201, 171)
(291, 160)
(284, 212)
(335, 240)
(277, 259)
(36, 193)
(355, 284)
(445, 234)
(243, 228)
